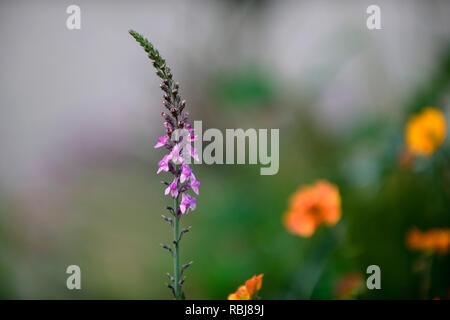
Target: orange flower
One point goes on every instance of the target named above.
(254, 284)
(433, 240)
(425, 131)
(348, 286)
(247, 291)
(312, 205)
(240, 294)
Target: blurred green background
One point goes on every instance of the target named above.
(80, 115)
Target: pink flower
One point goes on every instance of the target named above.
(172, 188)
(161, 141)
(163, 164)
(185, 172)
(175, 155)
(192, 136)
(194, 183)
(187, 202)
(189, 127)
(192, 152)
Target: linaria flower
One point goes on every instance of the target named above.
(175, 155)
(311, 206)
(175, 119)
(192, 152)
(186, 172)
(172, 188)
(194, 183)
(161, 141)
(163, 165)
(187, 202)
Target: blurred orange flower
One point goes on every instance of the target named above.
(433, 240)
(240, 294)
(348, 285)
(312, 205)
(249, 290)
(425, 131)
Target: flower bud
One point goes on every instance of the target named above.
(182, 105)
(164, 87)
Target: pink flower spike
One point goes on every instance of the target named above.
(192, 152)
(185, 172)
(172, 188)
(163, 164)
(194, 183)
(161, 141)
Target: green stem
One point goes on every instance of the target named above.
(176, 258)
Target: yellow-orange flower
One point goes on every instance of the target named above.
(433, 240)
(249, 290)
(240, 294)
(312, 205)
(425, 131)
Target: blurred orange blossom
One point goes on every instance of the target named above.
(433, 240)
(348, 285)
(425, 131)
(249, 290)
(312, 205)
